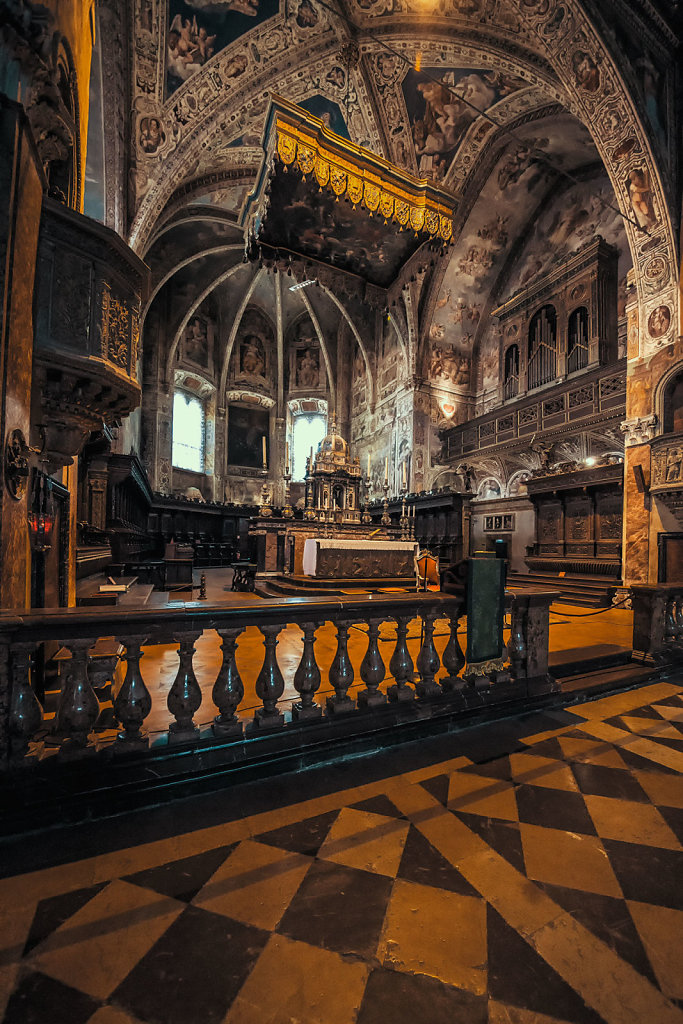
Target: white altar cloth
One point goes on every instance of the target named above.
(314, 545)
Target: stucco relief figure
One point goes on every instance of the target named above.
(308, 369)
(306, 15)
(659, 321)
(252, 356)
(586, 72)
(196, 345)
(151, 135)
(673, 464)
(640, 196)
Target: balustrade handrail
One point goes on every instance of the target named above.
(22, 633)
(60, 623)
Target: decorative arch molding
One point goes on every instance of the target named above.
(193, 382)
(354, 330)
(599, 97)
(323, 345)
(217, 250)
(194, 306)
(247, 397)
(660, 391)
(206, 113)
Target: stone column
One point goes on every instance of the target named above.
(638, 428)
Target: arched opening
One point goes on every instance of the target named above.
(542, 347)
(511, 372)
(188, 432)
(577, 340)
(308, 430)
(673, 405)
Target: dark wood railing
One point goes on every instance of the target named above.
(428, 685)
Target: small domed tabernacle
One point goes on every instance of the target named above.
(333, 480)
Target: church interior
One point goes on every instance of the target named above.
(341, 513)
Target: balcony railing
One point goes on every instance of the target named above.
(598, 395)
(395, 692)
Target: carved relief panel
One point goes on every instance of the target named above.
(578, 526)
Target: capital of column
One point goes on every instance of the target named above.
(638, 429)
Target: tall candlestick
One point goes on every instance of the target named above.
(263, 439)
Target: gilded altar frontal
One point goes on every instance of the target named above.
(341, 511)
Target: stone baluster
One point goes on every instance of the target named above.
(228, 690)
(341, 674)
(669, 620)
(372, 670)
(78, 705)
(401, 664)
(25, 711)
(307, 678)
(453, 658)
(185, 696)
(269, 685)
(428, 658)
(517, 649)
(133, 702)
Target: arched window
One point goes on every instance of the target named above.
(188, 432)
(577, 340)
(307, 432)
(511, 378)
(673, 404)
(542, 347)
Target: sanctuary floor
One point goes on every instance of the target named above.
(523, 872)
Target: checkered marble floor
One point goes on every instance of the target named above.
(542, 887)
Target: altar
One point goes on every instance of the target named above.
(335, 558)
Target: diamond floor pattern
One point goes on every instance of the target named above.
(541, 887)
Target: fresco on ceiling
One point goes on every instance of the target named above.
(440, 112)
(575, 218)
(198, 29)
(506, 204)
(229, 198)
(328, 112)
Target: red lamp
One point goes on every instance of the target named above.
(41, 516)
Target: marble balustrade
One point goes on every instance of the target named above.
(432, 679)
(657, 622)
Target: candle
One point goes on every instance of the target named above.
(368, 472)
(286, 456)
(386, 470)
(264, 450)
(404, 474)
